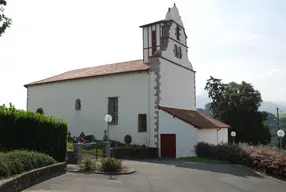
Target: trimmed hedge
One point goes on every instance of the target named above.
(34, 132)
(16, 162)
(266, 159)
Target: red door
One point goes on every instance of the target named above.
(168, 145)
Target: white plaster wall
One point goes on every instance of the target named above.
(177, 86)
(223, 135)
(186, 135)
(58, 100)
(212, 136)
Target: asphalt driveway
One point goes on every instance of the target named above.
(165, 176)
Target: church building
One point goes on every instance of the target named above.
(152, 99)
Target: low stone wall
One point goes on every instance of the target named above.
(134, 153)
(30, 178)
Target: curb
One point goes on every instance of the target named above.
(262, 174)
(105, 173)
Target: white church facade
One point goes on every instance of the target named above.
(152, 99)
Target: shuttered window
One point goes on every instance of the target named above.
(113, 109)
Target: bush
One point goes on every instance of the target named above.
(34, 132)
(110, 165)
(266, 159)
(87, 165)
(16, 162)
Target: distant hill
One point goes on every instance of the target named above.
(271, 107)
(268, 106)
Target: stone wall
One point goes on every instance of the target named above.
(30, 178)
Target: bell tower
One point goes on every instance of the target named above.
(168, 37)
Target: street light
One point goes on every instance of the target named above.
(280, 134)
(233, 134)
(108, 119)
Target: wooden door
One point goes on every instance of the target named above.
(168, 145)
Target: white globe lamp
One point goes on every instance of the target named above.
(108, 118)
(233, 134)
(280, 134)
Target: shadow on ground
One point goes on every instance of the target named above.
(231, 169)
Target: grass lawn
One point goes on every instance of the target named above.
(202, 160)
(70, 146)
(93, 152)
(281, 116)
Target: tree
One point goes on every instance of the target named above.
(5, 22)
(237, 105)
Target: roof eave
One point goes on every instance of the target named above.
(153, 23)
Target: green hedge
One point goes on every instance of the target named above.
(266, 159)
(30, 131)
(16, 162)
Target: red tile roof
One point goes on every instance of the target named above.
(195, 118)
(115, 68)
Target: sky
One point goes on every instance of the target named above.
(228, 39)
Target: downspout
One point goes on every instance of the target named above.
(217, 135)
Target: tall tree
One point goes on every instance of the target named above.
(237, 105)
(5, 22)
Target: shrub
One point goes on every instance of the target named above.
(16, 162)
(87, 165)
(266, 159)
(110, 165)
(34, 132)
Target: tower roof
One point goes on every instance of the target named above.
(173, 14)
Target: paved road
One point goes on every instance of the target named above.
(167, 176)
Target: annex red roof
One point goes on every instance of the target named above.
(109, 69)
(195, 118)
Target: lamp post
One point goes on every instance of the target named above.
(280, 134)
(108, 119)
(233, 134)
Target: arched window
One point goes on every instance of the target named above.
(180, 53)
(178, 32)
(77, 104)
(176, 50)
